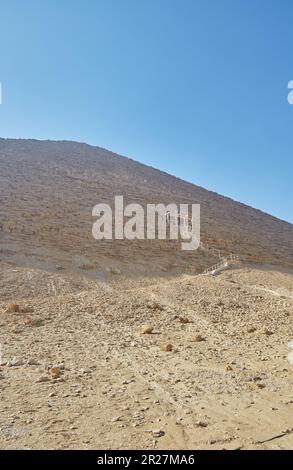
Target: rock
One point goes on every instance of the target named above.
(85, 371)
(115, 271)
(147, 330)
(290, 357)
(163, 268)
(115, 419)
(166, 347)
(27, 309)
(256, 378)
(60, 366)
(12, 308)
(42, 378)
(251, 329)
(155, 306)
(158, 433)
(184, 321)
(55, 372)
(229, 368)
(34, 322)
(201, 424)
(61, 379)
(268, 332)
(33, 362)
(17, 331)
(197, 339)
(15, 361)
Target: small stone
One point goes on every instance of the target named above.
(60, 366)
(33, 362)
(115, 271)
(201, 424)
(15, 361)
(229, 368)
(268, 332)
(197, 339)
(17, 330)
(85, 371)
(155, 306)
(43, 378)
(115, 419)
(55, 372)
(158, 433)
(251, 329)
(184, 321)
(27, 309)
(166, 347)
(147, 330)
(34, 322)
(12, 308)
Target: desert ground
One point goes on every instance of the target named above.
(79, 370)
(127, 344)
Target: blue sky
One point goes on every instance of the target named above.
(197, 88)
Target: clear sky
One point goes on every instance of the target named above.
(197, 88)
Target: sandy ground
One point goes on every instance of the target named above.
(77, 372)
